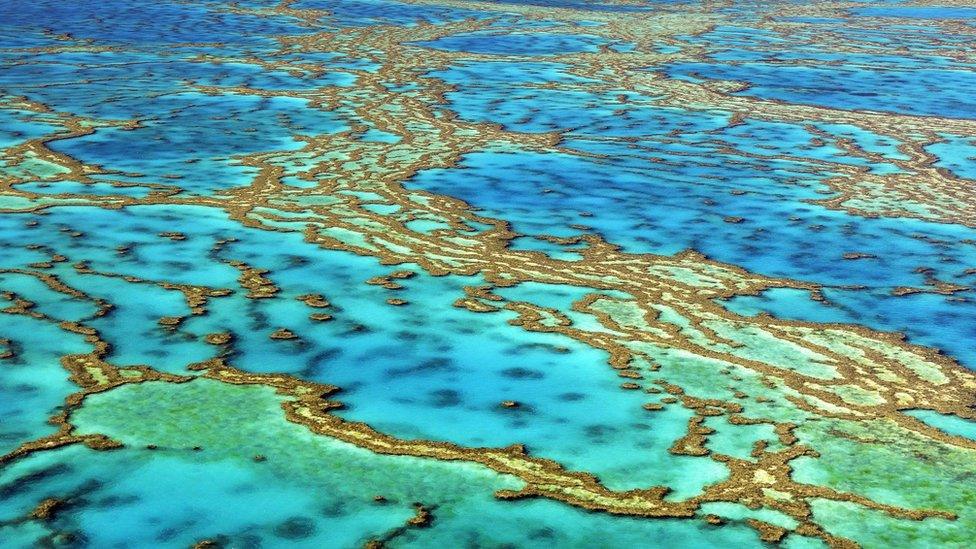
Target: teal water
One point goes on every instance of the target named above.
(950, 424)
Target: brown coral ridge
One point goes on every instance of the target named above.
(314, 300)
(46, 509)
(423, 517)
(93, 375)
(543, 477)
(253, 280)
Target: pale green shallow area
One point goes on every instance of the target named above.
(940, 477)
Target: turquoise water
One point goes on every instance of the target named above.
(278, 187)
(950, 424)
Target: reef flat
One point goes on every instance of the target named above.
(532, 273)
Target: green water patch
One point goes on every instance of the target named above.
(890, 465)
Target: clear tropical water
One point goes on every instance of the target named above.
(446, 272)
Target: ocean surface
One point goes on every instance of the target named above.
(460, 273)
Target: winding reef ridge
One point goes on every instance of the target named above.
(447, 273)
